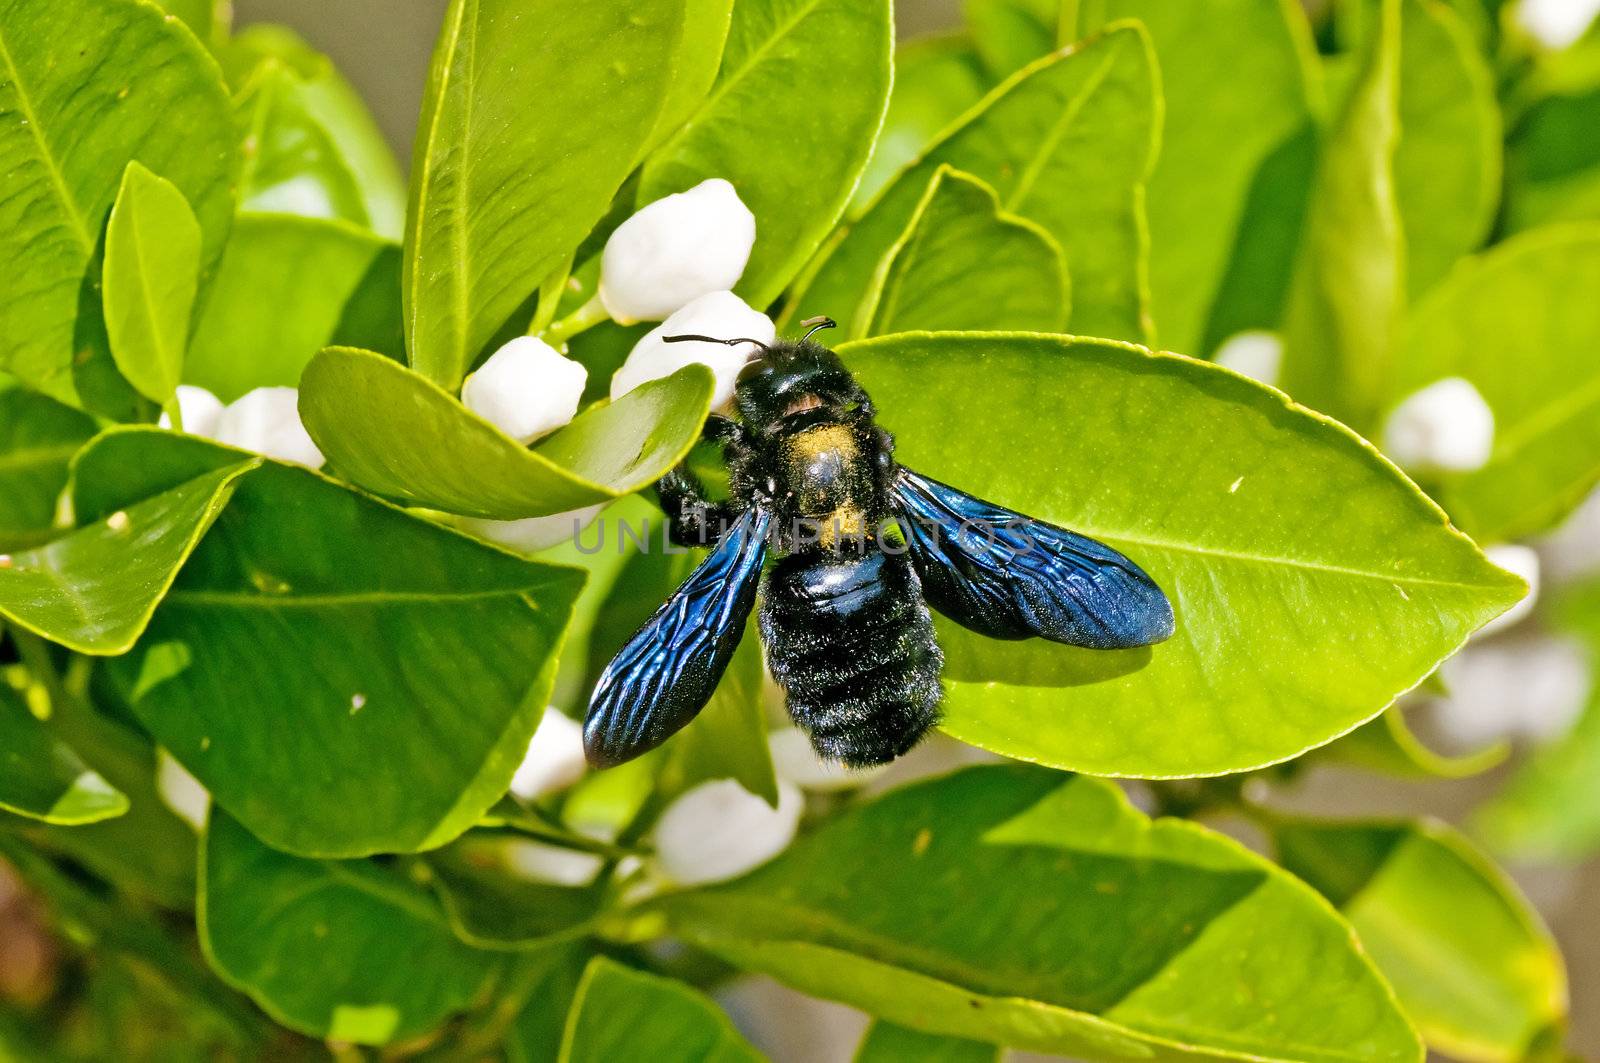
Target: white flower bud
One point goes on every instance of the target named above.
(554, 760)
(1255, 354)
(200, 410)
(721, 315)
(180, 791)
(267, 421)
(526, 389)
(1521, 561)
(1444, 427)
(794, 758)
(538, 862)
(532, 534)
(719, 830)
(1556, 24)
(675, 250)
(1533, 688)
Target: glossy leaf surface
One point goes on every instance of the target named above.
(501, 192)
(392, 431)
(1291, 552)
(1140, 935)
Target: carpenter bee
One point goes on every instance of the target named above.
(863, 546)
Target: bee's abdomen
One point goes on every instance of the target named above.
(852, 645)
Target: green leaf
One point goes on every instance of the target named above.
(342, 950)
(491, 908)
(1257, 104)
(1389, 746)
(86, 86)
(620, 1013)
(963, 263)
(548, 984)
(1067, 143)
(38, 437)
(394, 432)
(1144, 939)
(207, 19)
(1473, 966)
(935, 80)
(152, 277)
(263, 323)
(502, 192)
(1506, 322)
(705, 31)
(1447, 165)
(728, 739)
(790, 122)
(888, 1043)
(42, 778)
(95, 589)
(1010, 34)
(1553, 159)
(1312, 582)
(1347, 295)
(311, 146)
(433, 653)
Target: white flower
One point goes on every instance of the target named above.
(538, 862)
(526, 389)
(1556, 24)
(267, 421)
(676, 250)
(1524, 687)
(719, 830)
(554, 760)
(1521, 561)
(721, 315)
(1255, 354)
(1444, 427)
(200, 410)
(532, 534)
(794, 758)
(181, 791)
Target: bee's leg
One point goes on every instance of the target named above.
(694, 518)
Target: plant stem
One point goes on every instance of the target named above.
(582, 319)
(174, 412)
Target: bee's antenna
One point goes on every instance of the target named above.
(690, 338)
(816, 324)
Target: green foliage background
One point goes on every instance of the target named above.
(1015, 224)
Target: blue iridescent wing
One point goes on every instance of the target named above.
(1010, 576)
(664, 675)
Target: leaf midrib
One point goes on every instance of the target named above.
(1058, 131)
(75, 217)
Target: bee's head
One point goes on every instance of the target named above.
(791, 381)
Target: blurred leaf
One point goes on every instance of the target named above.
(790, 122)
(42, 778)
(1068, 143)
(1506, 321)
(38, 436)
(1553, 162)
(1257, 103)
(888, 1043)
(263, 322)
(502, 192)
(548, 981)
(620, 1013)
(935, 80)
(312, 148)
(343, 950)
(1347, 294)
(94, 589)
(490, 907)
(1312, 582)
(88, 86)
(1447, 164)
(928, 281)
(152, 277)
(1550, 809)
(1388, 745)
(396, 433)
(1473, 966)
(1010, 34)
(728, 740)
(1142, 939)
(372, 660)
(207, 19)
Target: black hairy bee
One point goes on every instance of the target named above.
(863, 545)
